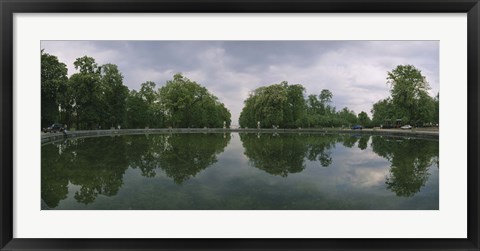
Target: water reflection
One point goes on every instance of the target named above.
(410, 160)
(286, 153)
(362, 171)
(97, 165)
(180, 156)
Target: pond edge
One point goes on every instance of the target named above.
(412, 133)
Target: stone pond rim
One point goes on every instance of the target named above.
(411, 133)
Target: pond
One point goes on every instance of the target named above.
(241, 171)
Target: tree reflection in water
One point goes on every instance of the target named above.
(78, 162)
(54, 179)
(282, 154)
(410, 160)
(83, 169)
(180, 156)
(97, 165)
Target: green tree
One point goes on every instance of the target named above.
(114, 96)
(425, 110)
(248, 115)
(270, 103)
(347, 117)
(313, 110)
(143, 107)
(383, 111)
(409, 92)
(185, 103)
(295, 109)
(85, 88)
(86, 65)
(53, 81)
(319, 111)
(436, 114)
(137, 111)
(281, 105)
(150, 97)
(363, 119)
(325, 98)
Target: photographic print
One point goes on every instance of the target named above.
(239, 125)
(224, 122)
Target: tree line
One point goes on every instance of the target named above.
(95, 97)
(283, 105)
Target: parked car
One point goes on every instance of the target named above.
(406, 127)
(53, 128)
(357, 127)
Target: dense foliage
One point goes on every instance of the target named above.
(275, 105)
(184, 103)
(96, 95)
(53, 84)
(409, 102)
(95, 98)
(284, 106)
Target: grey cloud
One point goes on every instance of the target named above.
(355, 71)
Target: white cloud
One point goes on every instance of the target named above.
(355, 71)
(69, 51)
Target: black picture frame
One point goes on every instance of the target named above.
(10, 7)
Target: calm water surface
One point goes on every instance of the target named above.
(241, 171)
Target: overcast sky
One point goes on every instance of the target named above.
(354, 71)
